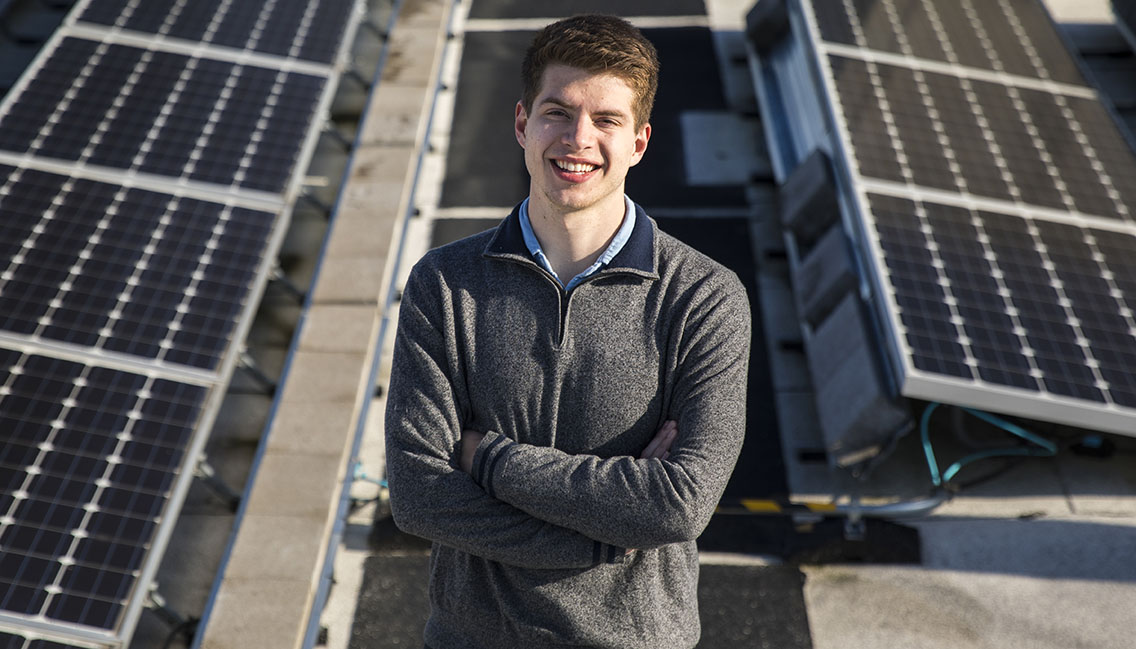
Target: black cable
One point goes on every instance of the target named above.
(1005, 466)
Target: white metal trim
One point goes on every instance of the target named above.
(132, 179)
(971, 201)
(1022, 403)
(106, 359)
(38, 628)
(172, 45)
(938, 67)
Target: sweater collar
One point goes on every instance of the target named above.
(637, 256)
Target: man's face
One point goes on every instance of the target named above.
(579, 141)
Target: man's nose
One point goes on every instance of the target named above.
(580, 133)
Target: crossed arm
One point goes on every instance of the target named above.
(659, 446)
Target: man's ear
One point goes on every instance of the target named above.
(641, 139)
(520, 121)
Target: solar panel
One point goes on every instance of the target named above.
(993, 203)
(117, 269)
(164, 113)
(88, 463)
(311, 30)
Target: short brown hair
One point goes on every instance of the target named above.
(597, 43)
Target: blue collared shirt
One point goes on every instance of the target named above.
(613, 249)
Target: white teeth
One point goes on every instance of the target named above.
(575, 167)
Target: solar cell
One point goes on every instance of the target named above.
(963, 43)
(870, 133)
(24, 120)
(1110, 146)
(162, 113)
(834, 24)
(126, 270)
(872, 21)
(1017, 148)
(310, 30)
(997, 33)
(88, 471)
(972, 143)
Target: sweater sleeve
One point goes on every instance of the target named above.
(430, 496)
(645, 503)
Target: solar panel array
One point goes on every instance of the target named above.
(996, 204)
(149, 158)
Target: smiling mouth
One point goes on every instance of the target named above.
(575, 167)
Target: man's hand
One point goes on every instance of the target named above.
(469, 442)
(660, 445)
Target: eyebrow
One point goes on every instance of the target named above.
(564, 104)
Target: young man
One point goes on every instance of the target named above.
(567, 396)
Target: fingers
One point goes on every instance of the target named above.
(660, 444)
(653, 446)
(470, 439)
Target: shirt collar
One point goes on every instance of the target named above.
(636, 256)
(616, 245)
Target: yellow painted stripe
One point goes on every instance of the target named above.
(761, 506)
(820, 507)
(774, 507)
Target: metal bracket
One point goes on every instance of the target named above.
(204, 472)
(309, 196)
(178, 623)
(370, 25)
(355, 75)
(855, 529)
(247, 363)
(277, 276)
(334, 133)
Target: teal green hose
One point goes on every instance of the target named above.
(1042, 447)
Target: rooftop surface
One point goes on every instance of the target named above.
(1033, 553)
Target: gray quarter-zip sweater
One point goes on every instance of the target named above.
(563, 537)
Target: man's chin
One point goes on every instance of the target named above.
(572, 200)
(580, 197)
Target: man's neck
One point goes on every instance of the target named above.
(573, 241)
